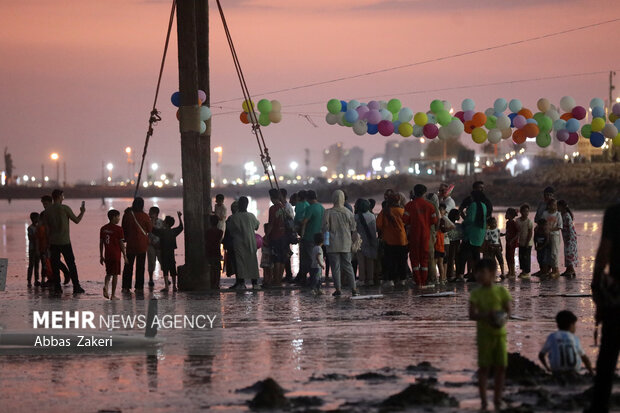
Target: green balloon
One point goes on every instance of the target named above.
(437, 106)
(543, 139)
(394, 105)
(263, 119)
(545, 124)
(347, 124)
(491, 122)
(443, 117)
(264, 106)
(333, 106)
(538, 116)
(586, 130)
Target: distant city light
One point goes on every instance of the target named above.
(294, 165)
(154, 166)
(26, 177)
(422, 154)
(525, 162)
(323, 168)
(351, 172)
(128, 150)
(109, 167)
(618, 100)
(453, 161)
(376, 164)
(32, 179)
(54, 156)
(46, 179)
(162, 177)
(217, 149)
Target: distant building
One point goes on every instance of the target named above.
(332, 158)
(402, 152)
(353, 160)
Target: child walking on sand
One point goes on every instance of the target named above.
(455, 237)
(564, 348)
(111, 239)
(525, 241)
(512, 241)
(167, 244)
(492, 247)
(33, 251)
(489, 306)
(444, 226)
(569, 236)
(554, 226)
(542, 245)
(318, 265)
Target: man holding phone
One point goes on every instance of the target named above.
(57, 218)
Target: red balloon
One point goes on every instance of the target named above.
(244, 118)
(579, 112)
(469, 126)
(530, 130)
(573, 138)
(518, 136)
(461, 115)
(430, 130)
(479, 119)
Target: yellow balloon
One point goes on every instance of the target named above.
(598, 124)
(246, 105)
(420, 119)
(616, 140)
(479, 135)
(613, 117)
(405, 130)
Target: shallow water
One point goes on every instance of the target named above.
(285, 334)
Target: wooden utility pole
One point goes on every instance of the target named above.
(191, 165)
(202, 54)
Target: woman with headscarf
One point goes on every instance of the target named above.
(390, 223)
(367, 230)
(136, 227)
(339, 228)
(243, 226)
(474, 227)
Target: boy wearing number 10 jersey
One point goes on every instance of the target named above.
(563, 347)
(112, 238)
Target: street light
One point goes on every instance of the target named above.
(294, 165)
(219, 151)
(129, 163)
(109, 167)
(154, 166)
(55, 157)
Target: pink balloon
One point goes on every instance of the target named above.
(519, 121)
(362, 111)
(373, 105)
(468, 115)
(579, 112)
(386, 127)
(461, 115)
(430, 130)
(573, 138)
(373, 116)
(616, 109)
(562, 135)
(202, 95)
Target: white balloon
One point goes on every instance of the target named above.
(515, 105)
(353, 104)
(597, 102)
(382, 104)
(386, 114)
(418, 131)
(503, 122)
(553, 113)
(276, 106)
(468, 104)
(203, 127)
(455, 127)
(489, 112)
(494, 136)
(405, 115)
(610, 131)
(360, 127)
(567, 103)
(331, 118)
(446, 105)
(340, 116)
(444, 133)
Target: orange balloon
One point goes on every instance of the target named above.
(526, 113)
(566, 116)
(530, 130)
(479, 119)
(244, 118)
(518, 136)
(469, 126)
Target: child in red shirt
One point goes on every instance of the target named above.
(111, 237)
(512, 240)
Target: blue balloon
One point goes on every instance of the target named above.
(498, 114)
(176, 99)
(597, 139)
(512, 117)
(617, 124)
(372, 129)
(532, 120)
(572, 125)
(559, 124)
(500, 105)
(396, 125)
(344, 106)
(351, 115)
(598, 112)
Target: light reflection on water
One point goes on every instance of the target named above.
(288, 335)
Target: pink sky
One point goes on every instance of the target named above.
(78, 77)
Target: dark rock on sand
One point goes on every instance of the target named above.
(371, 375)
(581, 400)
(306, 401)
(422, 367)
(418, 394)
(330, 377)
(524, 371)
(270, 395)
(393, 313)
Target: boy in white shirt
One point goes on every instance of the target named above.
(318, 264)
(563, 347)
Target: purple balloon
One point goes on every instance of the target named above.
(430, 130)
(579, 112)
(519, 121)
(202, 95)
(386, 127)
(562, 135)
(573, 138)
(362, 111)
(373, 116)
(468, 114)
(259, 241)
(616, 109)
(374, 105)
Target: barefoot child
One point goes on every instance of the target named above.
(318, 264)
(167, 244)
(554, 226)
(492, 247)
(563, 347)
(525, 241)
(112, 238)
(444, 226)
(490, 305)
(512, 241)
(542, 245)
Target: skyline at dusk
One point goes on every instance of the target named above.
(81, 83)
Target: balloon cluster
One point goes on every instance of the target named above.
(598, 129)
(205, 111)
(269, 112)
